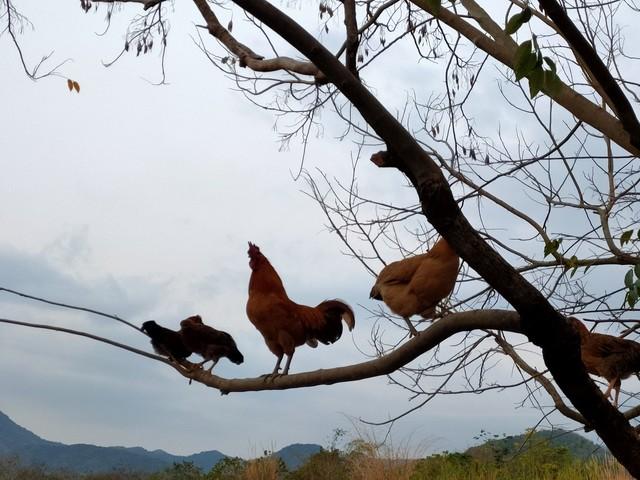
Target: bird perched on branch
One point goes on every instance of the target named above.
(610, 357)
(415, 285)
(209, 343)
(166, 342)
(285, 324)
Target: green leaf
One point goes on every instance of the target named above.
(628, 280)
(552, 246)
(523, 50)
(636, 270)
(526, 67)
(632, 298)
(523, 60)
(551, 82)
(536, 81)
(551, 63)
(515, 22)
(625, 237)
(573, 272)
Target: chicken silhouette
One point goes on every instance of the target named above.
(285, 324)
(415, 285)
(606, 356)
(209, 343)
(166, 342)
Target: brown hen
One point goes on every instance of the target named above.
(285, 324)
(209, 343)
(415, 285)
(610, 357)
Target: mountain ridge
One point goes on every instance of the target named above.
(32, 450)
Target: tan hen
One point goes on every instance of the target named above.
(415, 285)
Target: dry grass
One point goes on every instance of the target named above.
(610, 469)
(265, 468)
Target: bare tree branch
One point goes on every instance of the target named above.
(87, 335)
(623, 108)
(504, 51)
(246, 56)
(73, 307)
(351, 43)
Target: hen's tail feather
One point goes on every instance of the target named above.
(235, 356)
(375, 293)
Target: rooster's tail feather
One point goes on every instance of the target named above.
(328, 327)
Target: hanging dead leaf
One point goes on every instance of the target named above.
(76, 86)
(70, 84)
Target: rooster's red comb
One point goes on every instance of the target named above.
(253, 249)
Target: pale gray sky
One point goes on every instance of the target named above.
(139, 200)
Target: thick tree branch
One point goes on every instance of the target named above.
(587, 53)
(429, 338)
(540, 322)
(503, 320)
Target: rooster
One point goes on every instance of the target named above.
(415, 285)
(610, 357)
(165, 342)
(285, 324)
(209, 343)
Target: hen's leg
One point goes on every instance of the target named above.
(412, 330)
(616, 387)
(199, 365)
(212, 365)
(614, 384)
(607, 392)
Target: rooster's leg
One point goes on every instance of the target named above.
(412, 330)
(286, 367)
(276, 369)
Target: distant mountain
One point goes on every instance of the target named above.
(577, 445)
(13, 436)
(33, 450)
(296, 454)
(16, 441)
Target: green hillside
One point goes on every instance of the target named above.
(506, 447)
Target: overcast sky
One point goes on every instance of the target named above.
(139, 200)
